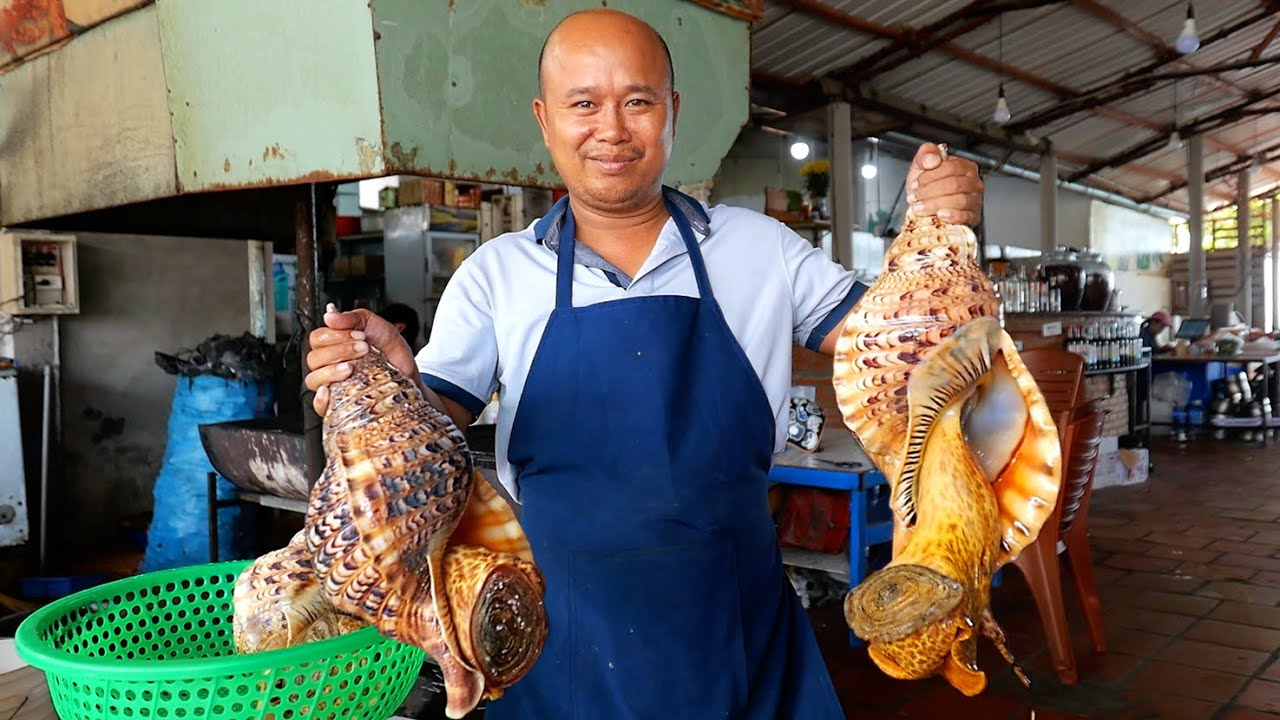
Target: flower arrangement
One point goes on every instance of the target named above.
(817, 177)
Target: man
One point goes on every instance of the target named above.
(640, 344)
(405, 321)
(1153, 326)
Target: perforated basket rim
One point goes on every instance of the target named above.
(49, 659)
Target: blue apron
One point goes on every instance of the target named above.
(642, 443)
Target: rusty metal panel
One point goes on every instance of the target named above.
(456, 85)
(28, 25)
(271, 93)
(87, 126)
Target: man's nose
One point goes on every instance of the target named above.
(613, 125)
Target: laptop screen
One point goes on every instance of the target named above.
(1192, 328)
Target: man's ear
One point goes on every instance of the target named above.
(675, 111)
(540, 112)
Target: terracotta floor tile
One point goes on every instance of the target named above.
(1247, 548)
(1248, 714)
(1163, 582)
(1246, 614)
(1149, 620)
(1258, 562)
(1221, 530)
(1261, 695)
(1244, 592)
(1185, 554)
(1175, 707)
(1173, 602)
(1107, 667)
(1260, 515)
(1127, 531)
(943, 701)
(1235, 635)
(1198, 653)
(1135, 642)
(1268, 578)
(1158, 677)
(1214, 571)
(1178, 539)
(1144, 563)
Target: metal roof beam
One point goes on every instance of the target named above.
(1090, 98)
(1257, 51)
(1219, 119)
(1270, 154)
(1163, 50)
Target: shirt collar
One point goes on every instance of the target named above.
(547, 229)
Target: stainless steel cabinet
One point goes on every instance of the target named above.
(420, 260)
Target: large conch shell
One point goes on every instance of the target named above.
(402, 533)
(935, 392)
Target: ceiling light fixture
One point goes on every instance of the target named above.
(800, 150)
(1188, 42)
(1001, 115)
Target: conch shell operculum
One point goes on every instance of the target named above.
(935, 392)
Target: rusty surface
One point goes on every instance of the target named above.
(260, 456)
(749, 10)
(29, 25)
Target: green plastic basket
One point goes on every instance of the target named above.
(159, 645)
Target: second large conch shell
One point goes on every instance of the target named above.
(935, 392)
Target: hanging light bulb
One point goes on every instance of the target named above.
(869, 171)
(1175, 141)
(1001, 115)
(1188, 42)
(800, 150)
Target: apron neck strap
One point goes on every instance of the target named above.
(569, 240)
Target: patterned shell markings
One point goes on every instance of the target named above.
(935, 392)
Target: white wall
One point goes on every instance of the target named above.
(1012, 208)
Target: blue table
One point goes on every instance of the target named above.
(840, 464)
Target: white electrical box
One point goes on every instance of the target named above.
(38, 273)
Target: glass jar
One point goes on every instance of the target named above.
(1062, 270)
(1099, 281)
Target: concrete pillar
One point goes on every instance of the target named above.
(1244, 251)
(840, 141)
(1048, 202)
(1198, 289)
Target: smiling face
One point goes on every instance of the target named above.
(607, 110)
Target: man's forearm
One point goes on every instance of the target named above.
(460, 415)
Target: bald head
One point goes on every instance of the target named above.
(601, 25)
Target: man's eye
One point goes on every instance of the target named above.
(583, 104)
(639, 101)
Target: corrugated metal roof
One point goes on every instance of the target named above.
(1069, 48)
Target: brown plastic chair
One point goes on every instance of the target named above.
(1039, 562)
(1060, 375)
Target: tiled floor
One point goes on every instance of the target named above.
(1189, 573)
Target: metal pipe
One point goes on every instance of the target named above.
(1034, 176)
(44, 469)
(304, 225)
(257, 290)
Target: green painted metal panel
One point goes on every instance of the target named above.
(456, 85)
(266, 93)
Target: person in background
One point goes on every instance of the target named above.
(1152, 327)
(405, 321)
